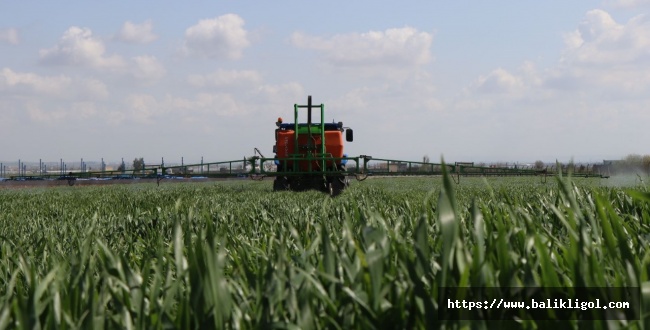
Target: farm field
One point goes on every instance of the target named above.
(234, 254)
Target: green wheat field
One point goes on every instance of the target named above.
(236, 255)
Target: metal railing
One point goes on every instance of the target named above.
(318, 164)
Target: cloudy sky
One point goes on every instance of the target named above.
(467, 80)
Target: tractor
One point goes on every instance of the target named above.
(310, 155)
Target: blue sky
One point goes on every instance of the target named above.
(467, 80)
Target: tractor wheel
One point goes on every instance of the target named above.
(280, 184)
(295, 184)
(336, 186)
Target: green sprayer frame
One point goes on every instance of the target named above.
(363, 167)
(310, 156)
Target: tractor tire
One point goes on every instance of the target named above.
(336, 186)
(296, 184)
(280, 184)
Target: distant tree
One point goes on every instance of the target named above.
(633, 159)
(122, 167)
(634, 163)
(539, 164)
(425, 159)
(582, 168)
(138, 164)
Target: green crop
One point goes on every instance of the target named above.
(237, 255)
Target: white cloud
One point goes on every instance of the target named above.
(114, 117)
(84, 109)
(602, 54)
(411, 99)
(54, 87)
(148, 68)
(136, 33)
(279, 94)
(223, 37)
(356, 100)
(51, 99)
(146, 108)
(221, 104)
(393, 47)
(52, 115)
(30, 82)
(142, 107)
(92, 89)
(573, 39)
(602, 58)
(599, 40)
(9, 35)
(598, 24)
(36, 113)
(499, 81)
(225, 78)
(78, 47)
